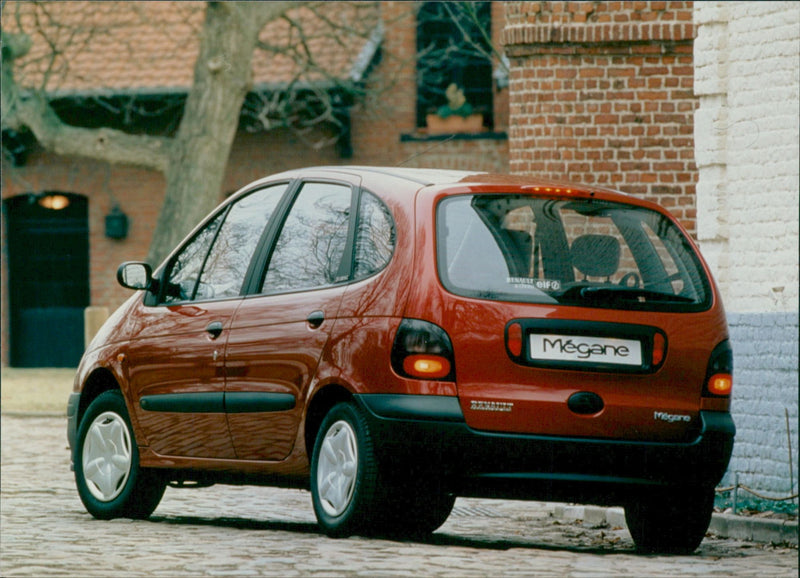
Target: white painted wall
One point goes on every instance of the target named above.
(747, 149)
(747, 139)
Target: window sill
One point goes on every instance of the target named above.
(423, 137)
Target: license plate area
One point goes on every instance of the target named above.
(585, 345)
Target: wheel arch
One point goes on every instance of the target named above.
(99, 381)
(320, 405)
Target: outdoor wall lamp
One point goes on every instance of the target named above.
(53, 202)
(116, 224)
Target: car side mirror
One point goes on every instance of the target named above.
(135, 275)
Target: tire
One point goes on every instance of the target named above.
(670, 522)
(346, 485)
(110, 482)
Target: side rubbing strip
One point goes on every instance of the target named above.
(184, 402)
(252, 402)
(232, 402)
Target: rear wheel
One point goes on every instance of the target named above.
(110, 482)
(345, 480)
(672, 522)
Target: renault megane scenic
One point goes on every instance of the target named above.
(390, 339)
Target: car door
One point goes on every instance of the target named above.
(279, 334)
(176, 359)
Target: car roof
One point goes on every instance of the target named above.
(403, 180)
(432, 176)
(443, 178)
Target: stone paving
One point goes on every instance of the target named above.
(250, 531)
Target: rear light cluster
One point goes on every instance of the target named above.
(719, 375)
(423, 350)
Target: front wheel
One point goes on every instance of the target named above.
(670, 522)
(110, 482)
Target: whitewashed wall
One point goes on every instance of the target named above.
(747, 139)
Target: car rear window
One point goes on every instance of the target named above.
(575, 252)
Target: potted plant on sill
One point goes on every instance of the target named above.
(456, 116)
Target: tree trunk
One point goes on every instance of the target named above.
(194, 161)
(199, 153)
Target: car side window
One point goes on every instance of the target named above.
(227, 263)
(184, 270)
(311, 245)
(375, 236)
(213, 265)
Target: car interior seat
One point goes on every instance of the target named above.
(596, 255)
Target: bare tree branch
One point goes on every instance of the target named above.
(31, 109)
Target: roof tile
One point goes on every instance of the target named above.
(152, 46)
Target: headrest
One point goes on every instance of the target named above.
(596, 255)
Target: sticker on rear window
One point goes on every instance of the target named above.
(581, 349)
(540, 284)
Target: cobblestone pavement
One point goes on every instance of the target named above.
(248, 531)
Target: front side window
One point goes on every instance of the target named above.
(231, 253)
(213, 265)
(309, 251)
(184, 270)
(573, 252)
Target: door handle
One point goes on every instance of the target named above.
(315, 318)
(214, 328)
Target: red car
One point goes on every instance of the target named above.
(392, 338)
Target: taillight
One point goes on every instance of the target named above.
(422, 350)
(659, 348)
(719, 374)
(514, 339)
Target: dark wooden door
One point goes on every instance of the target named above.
(48, 265)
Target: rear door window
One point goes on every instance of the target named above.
(576, 252)
(310, 249)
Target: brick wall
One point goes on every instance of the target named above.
(747, 131)
(602, 93)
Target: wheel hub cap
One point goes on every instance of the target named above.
(337, 468)
(107, 456)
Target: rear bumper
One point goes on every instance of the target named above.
(427, 436)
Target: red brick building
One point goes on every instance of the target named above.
(55, 263)
(593, 92)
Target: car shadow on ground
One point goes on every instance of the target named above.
(440, 538)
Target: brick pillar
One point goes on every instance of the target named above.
(602, 93)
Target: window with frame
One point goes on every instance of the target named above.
(309, 250)
(454, 47)
(584, 253)
(375, 236)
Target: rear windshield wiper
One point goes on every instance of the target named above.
(632, 294)
(619, 293)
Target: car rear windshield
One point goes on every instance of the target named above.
(580, 252)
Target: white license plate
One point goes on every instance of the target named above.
(588, 350)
